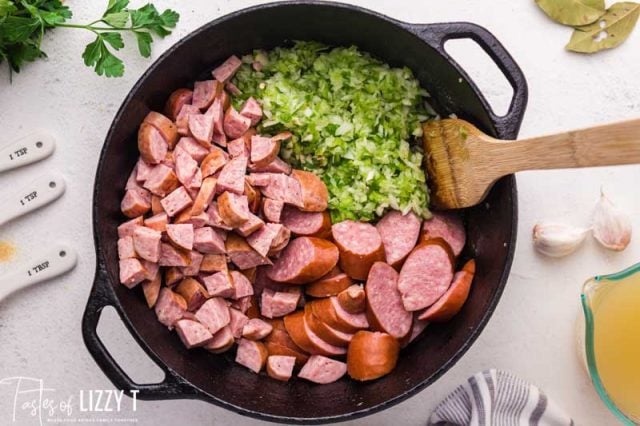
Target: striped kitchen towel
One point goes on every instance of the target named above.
(497, 398)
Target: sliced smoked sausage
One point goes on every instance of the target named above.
(448, 226)
(451, 302)
(313, 224)
(426, 274)
(176, 101)
(315, 196)
(360, 247)
(304, 260)
(329, 285)
(352, 299)
(371, 355)
(322, 370)
(399, 234)
(385, 310)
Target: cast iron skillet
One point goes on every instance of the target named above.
(491, 226)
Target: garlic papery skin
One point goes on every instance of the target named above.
(611, 226)
(557, 239)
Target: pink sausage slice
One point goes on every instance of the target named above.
(214, 314)
(170, 307)
(425, 275)
(192, 333)
(304, 260)
(322, 370)
(181, 235)
(252, 355)
(385, 310)
(451, 302)
(399, 234)
(280, 367)
(449, 227)
(256, 329)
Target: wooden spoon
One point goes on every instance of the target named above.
(463, 163)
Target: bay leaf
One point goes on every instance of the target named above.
(613, 28)
(572, 12)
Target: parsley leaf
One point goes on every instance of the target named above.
(144, 43)
(23, 23)
(98, 56)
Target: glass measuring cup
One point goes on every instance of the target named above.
(611, 346)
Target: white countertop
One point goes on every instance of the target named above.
(530, 334)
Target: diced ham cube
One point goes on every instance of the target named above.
(151, 269)
(213, 263)
(276, 166)
(142, 170)
(170, 307)
(227, 70)
(182, 120)
(215, 113)
(136, 202)
(208, 240)
(252, 355)
(256, 329)
(219, 284)
(194, 266)
(222, 341)
(262, 239)
(193, 148)
(181, 235)
(172, 276)
(215, 219)
(186, 166)
(259, 179)
(125, 248)
(126, 229)
(151, 290)
(201, 128)
(232, 176)
(192, 333)
(252, 110)
(193, 293)
(204, 92)
(158, 222)
(264, 150)
(277, 304)
(242, 286)
(146, 242)
(272, 209)
(131, 272)
(322, 370)
(239, 147)
(205, 196)
(152, 145)
(161, 180)
(250, 226)
(213, 162)
(235, 124)
(284, 188)
(280, 367)
(214, 314)
(177, 201)
(171, 256)
(237, 322)
(233, 209)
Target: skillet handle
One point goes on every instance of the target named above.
(437, 34)
(102, 295)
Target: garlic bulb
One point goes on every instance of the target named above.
(556, 239)
(611, 226)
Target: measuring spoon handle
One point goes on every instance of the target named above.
(48, 264)
(40, 192)
(26, 150)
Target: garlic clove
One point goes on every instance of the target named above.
(611, 226)
(557, 239)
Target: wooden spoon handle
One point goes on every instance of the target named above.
(607, 145)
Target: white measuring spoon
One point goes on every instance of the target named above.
(46, 265)
(38, 193)
(26, 150)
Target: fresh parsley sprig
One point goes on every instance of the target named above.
(24, 22)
